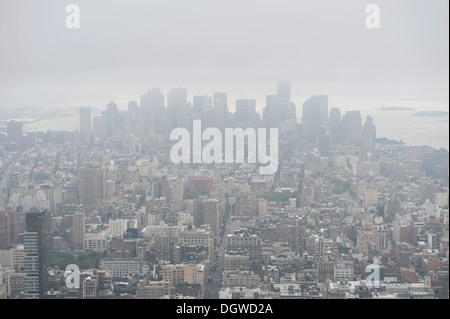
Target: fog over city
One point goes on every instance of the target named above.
(236, 153)
(125, 47)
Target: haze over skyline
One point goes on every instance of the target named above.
(241, 47)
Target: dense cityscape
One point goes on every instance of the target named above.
(347, 215)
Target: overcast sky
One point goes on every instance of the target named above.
(241, 46)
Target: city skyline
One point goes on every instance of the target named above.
(224, 157)
(324, 46)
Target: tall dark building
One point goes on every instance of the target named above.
(8, 228)
(34, 255)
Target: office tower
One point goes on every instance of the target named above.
(336, 126)
(221, 104)
(324, 141)
(370, 131)
(113, 119)
(284, 90)
(177, 99)
(279, 108)
(14, 131)
(117, 227)
(34, 255)
(315, 115)
(8, 228)
(176, 189)
(133, 107)
(91, 185)
(132, 144)
(78, 230)
(111, 107)
(274, 113)
(99, 127)
(177, 109)
(201, 104)
(245, 111)
(85, 125)
(402, 255)
(353, 126)
(154, 110)
(210, 213)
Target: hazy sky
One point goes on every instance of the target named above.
(239, 46)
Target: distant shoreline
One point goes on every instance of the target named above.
(432, 113)
(395, 108)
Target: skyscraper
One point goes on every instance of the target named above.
(335, 125)
(8, 228)
(91, 185)
(154, 110)
(201, 104)
(284, 90)
(245, 111)
(85, 125)
(315, 115)
(177, 98)
(14, 132)
(34, 255)
(370, 131)
(279, 107)
(353, 126)
(78, 230)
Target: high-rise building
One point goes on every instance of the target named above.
(91, 185)
(370, 131)
(284, 90)
(246, 111)
(34, 255)
(279, 108)
(85, 125)
(8, 228)
(353, 126)
(335, 125)
(154, 110)
(118, 227)
(221, 104)
(315, 115)
(324, 141)
(78, 230)
(177, 99)
(14, 132)
(201, 103)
